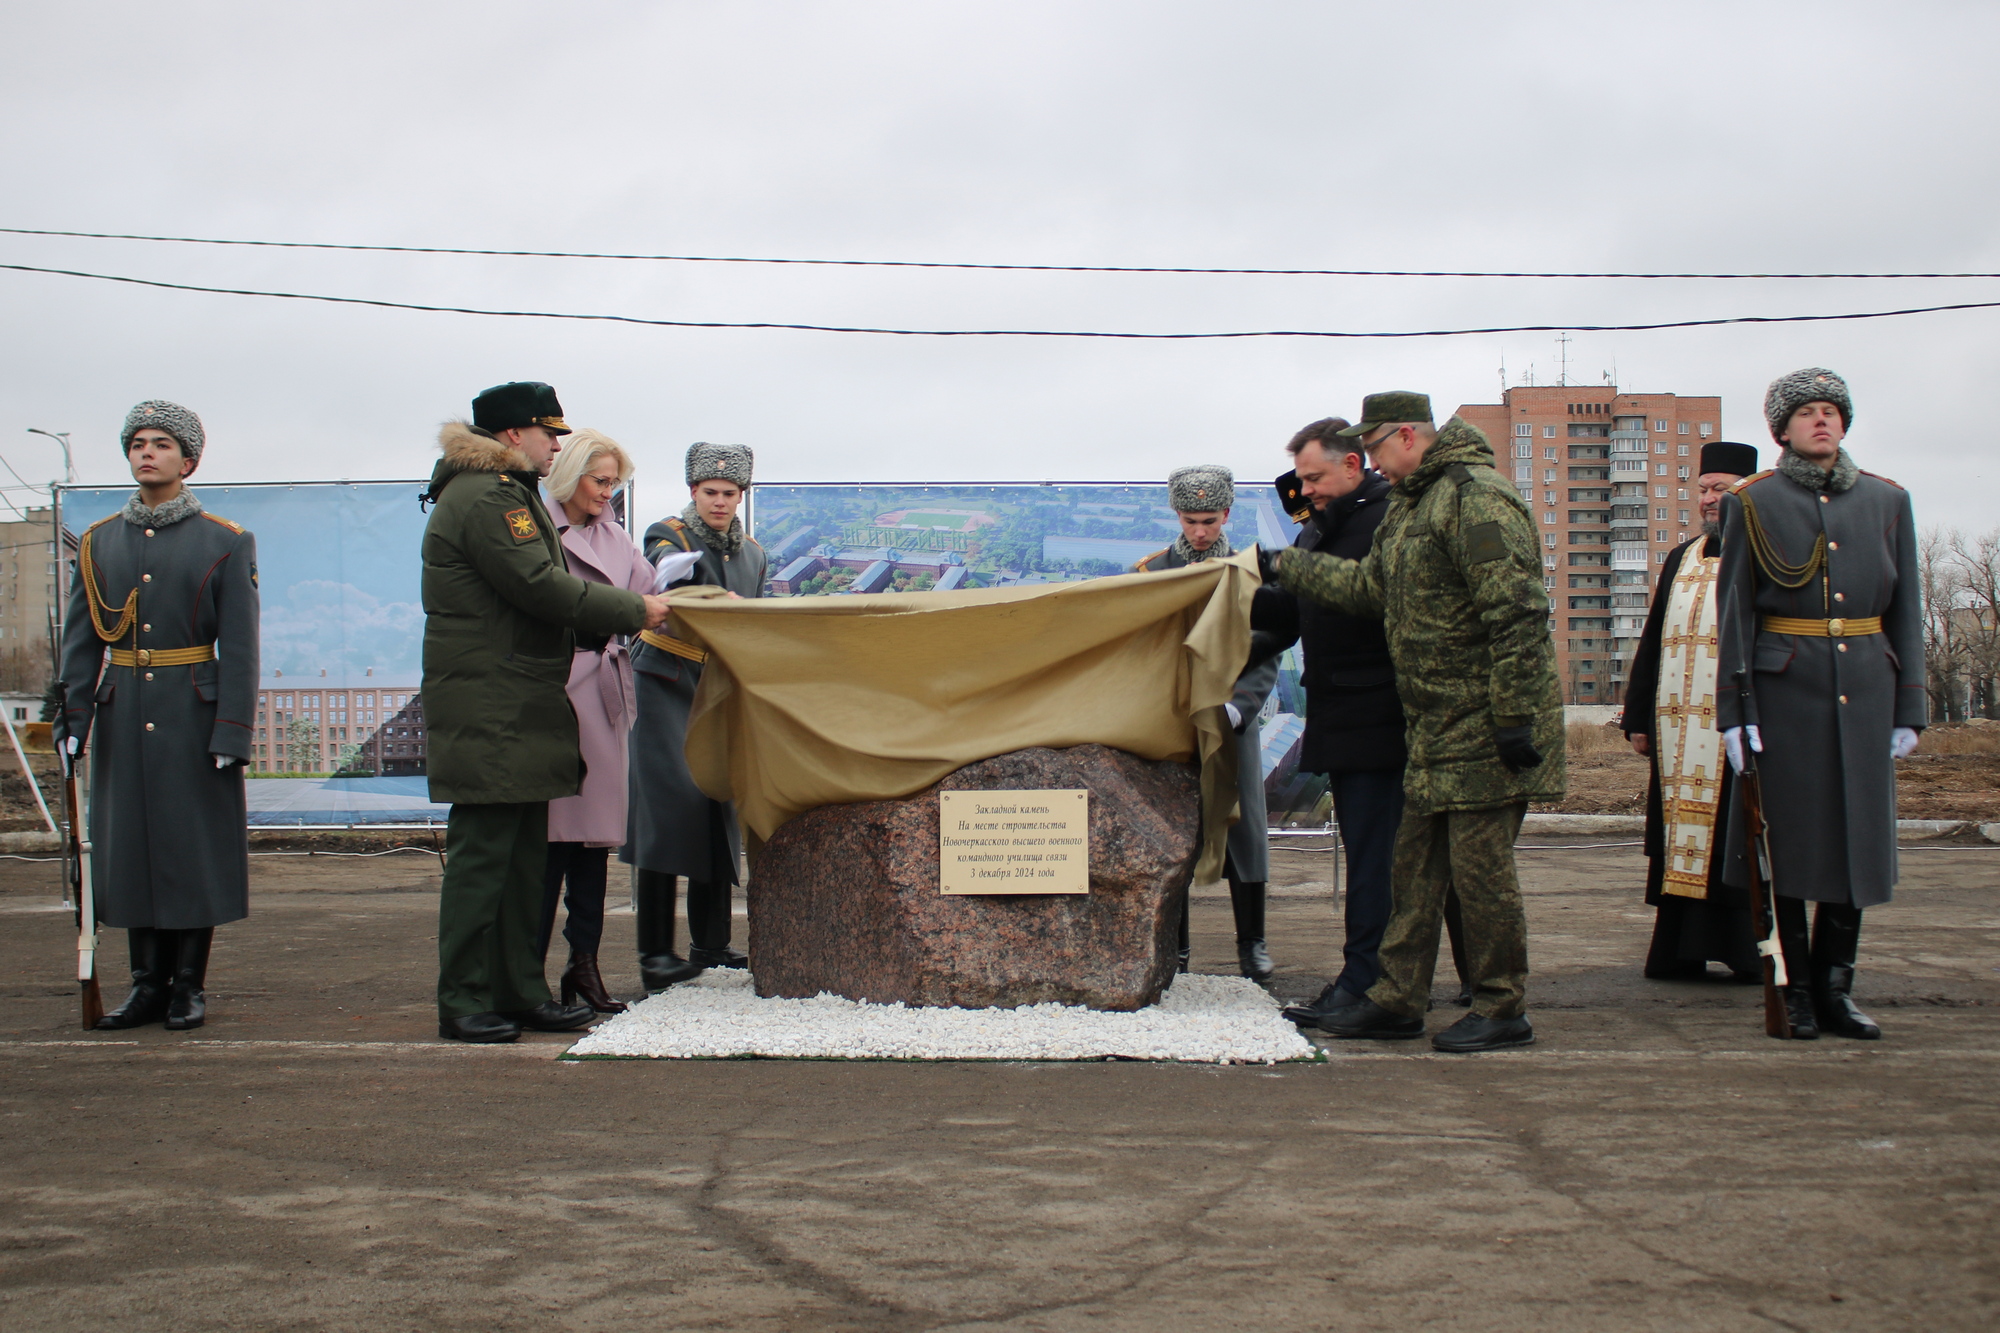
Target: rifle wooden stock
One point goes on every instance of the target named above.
(1763, 911)
(82, 894)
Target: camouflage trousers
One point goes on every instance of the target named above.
(1472, 851)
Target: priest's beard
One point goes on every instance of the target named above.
(1711, 530)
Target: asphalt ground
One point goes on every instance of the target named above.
(314, 1158)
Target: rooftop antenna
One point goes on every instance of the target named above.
(1503, 377)
(1562, 354)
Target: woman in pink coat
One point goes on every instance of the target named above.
(585, 827)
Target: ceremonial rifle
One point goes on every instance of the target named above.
(81, 892)
(1763, 910)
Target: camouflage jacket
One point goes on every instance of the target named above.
(1455, 575)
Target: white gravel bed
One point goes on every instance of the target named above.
(1204, 1019)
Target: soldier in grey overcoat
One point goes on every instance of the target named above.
(672, 828)
(1822, 679)
(160, 654)
(1201, 497)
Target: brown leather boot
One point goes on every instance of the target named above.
(581, 980)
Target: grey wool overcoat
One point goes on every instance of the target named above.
(671, 825)
(1250, 836)
(169, 848)
(501, 611)
(1824, 705)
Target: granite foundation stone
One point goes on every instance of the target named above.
(845, 898)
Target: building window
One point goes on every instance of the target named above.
(1660, 535)
(1683, 494)
(1523, 429)
(1659, 469)
(1682, 451)
(1660, 446)
(1684, 474)
(1659, 557)
(1548, 475)
(1548, 517)
(1660, 516)
(1548, 432)
(1548, 539)
(1524, 450)
(1707, 429)
(1684, 428)
(1684, 517)
(1660, 424)
(1548, 453)
(1659, 492)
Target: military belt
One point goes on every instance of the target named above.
(666, 643)
(1823, 629)
(143, 657)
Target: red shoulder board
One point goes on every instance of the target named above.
(1884, 480)
(236, 528)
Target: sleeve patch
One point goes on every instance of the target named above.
(521, 525)
(1485, 542)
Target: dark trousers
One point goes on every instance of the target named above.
(1369, 806)
(586, 870)
(708, 910)
(1833, 941)
(488, 910)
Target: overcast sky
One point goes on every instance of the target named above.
(1635, 137)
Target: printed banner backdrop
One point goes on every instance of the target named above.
(342, 643)
(908, 537)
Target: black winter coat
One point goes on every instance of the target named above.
(1354, 721)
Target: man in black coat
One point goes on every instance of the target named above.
(1669, 710)
(1354, 721)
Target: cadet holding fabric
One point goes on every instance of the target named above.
(168, 594)
(1823, 675)
(673, 828)
(1455, 574)
(1201, 496)
(500, 610)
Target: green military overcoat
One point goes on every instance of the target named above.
(500, 608)
(1455, 575)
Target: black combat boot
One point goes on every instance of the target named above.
(1790, 915)
(653, 901)
(709, 922)
(1836, 938)
(1799, 1012)
(1184, 946)
(1246, 901)
(147, 1002)
(188, 1006)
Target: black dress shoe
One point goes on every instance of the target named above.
(1476, 1032)
(549, 1016)
(1330, 999)
(723, 957)
(1370, 1020)
(657, 971)
(478, 1027)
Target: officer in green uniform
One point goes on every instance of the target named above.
(501, 613)
(1455, 575)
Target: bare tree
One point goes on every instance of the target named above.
(1978, 560)
(1942, 576)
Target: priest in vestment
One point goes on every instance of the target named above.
(1670, 717)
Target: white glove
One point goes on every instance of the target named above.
(1732, 744)
(1236, 718)
(223, 760)
(1901, 741)
(673, 567)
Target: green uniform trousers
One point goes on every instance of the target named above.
(1472, 851)
(489, 915)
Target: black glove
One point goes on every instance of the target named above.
(1267, 564)
(1517, 748)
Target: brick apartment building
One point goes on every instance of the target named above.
(1609, 476)
(322, 715)
(28, 601)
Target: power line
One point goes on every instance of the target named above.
(941, 264)
(1005, 333)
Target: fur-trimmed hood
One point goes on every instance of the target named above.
(466, 448)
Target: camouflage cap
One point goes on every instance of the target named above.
(1201, 489)
(1394, 407)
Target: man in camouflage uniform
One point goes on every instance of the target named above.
(1455, 575)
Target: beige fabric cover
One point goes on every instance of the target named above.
(812, 701)
(1687, 744)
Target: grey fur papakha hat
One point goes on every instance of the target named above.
(1814, 384)
(1200, 489)
(175, 420)
(720, 462)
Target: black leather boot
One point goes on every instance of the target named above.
(1836, 939)
(1799, 1012)
(581, 980)
(188, 1005)
(653, 901)
(1246, 902)
(709, 922)
(1185, 948)
(147, 1002)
